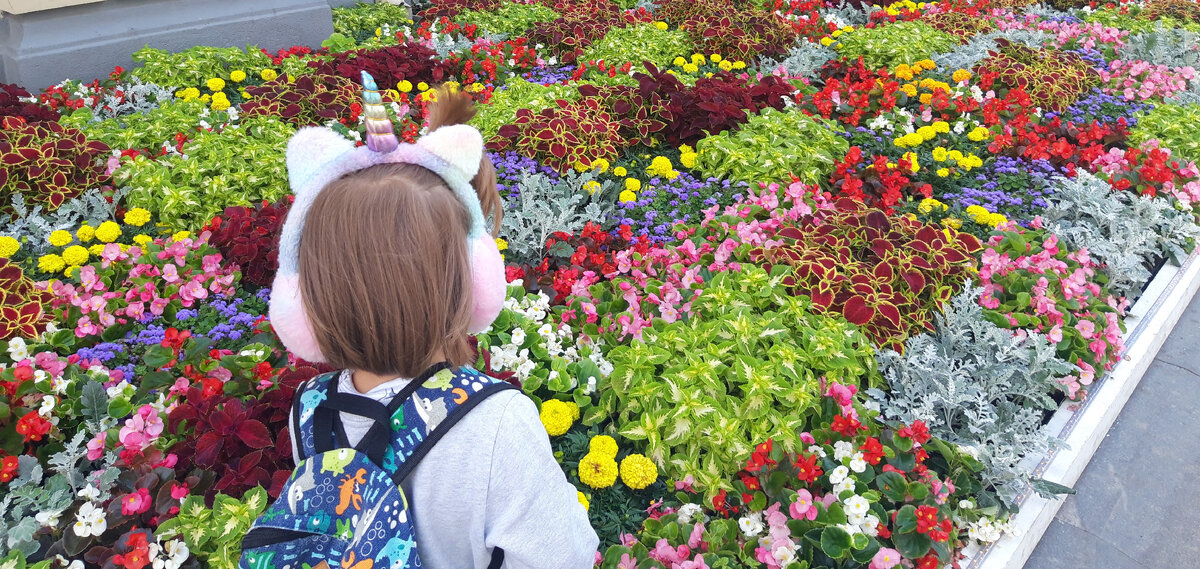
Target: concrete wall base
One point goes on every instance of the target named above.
(40, 49)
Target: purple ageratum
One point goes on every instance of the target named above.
(1102, 108)
(510, 167)
(550, 74)
(663, 203)
(1015, 187)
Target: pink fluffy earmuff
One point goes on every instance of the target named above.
(317, 156)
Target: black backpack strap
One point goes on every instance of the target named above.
(454, 417)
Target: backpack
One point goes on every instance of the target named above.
(343, 506)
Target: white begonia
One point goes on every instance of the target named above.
(751, 525)
(817, 450)
(871, 525)
(784, 555)
(47, 519)
(170, 555)
(518, 336)
(89, 493)
(17, 350)
(846, 485)
(857, 505)
(851, 529)
(47, 407)
(842, 449)
(546, 330)
(857, 463)
(90, 521)
(839, 474)
(687, 512)
(966, 505)
(590, 388)
(855, 519)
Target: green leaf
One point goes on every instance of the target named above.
(912, 544)
(835, 542)
(119, 408)
(158, 357)
(892, 485)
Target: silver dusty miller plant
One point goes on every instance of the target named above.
(803, 60)
(1126, 232)
(545, 205)
(978, 386)
(136, 98)
(1173, 47)
(32, 227)
(966, 56)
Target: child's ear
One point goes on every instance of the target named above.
(460, 145)
(309, 151)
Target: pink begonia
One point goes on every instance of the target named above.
(179, 491)
(50, 363)
(627, 562)
(191, 292)
(170, 274)
(136, 502)
(686, 484)
(694, 540)
(141, 429)
(664, 553)
(95, 447)
(158, 305)
(885, 558)
(807, 438)
(803, 508)
(628, 539)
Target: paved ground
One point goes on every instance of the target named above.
(1138, 505)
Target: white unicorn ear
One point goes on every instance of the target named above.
(460, 145)
(309, 151)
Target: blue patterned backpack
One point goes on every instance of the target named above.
(343, 506)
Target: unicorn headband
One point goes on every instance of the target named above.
(317, 156)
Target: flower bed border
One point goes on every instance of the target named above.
(1083, 426)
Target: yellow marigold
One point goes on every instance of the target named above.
(836, 33)
(501, 244)
(206, 98)
(685, 149)
(237, 76)
(943, 172)
(914, 139)
(85, 233)
(60, 238)
(603, 445)
(977, 211)
(954, 156)
(137, 217)
(926, 133)
(557, 416)
(688, 160)
(925, 98)
(142, 239)
(189, 93)
(698, 59)
(961, 75)
(679, 61)
(269, 75)
(996, 219)
(849, 28)
(942, 127)
(927, 64)
(979, 134)
(8, 247)
(597, 471)
(215, 84)
(50, 263)
(909, 89)
(221, 104)
(181, 235)
(660, 25)
(600, 164)
(592, 186)
(725, 66)
(928, 204)
(661, 165)
(108, 232)
(739, 65)
(96, 249)
(715, 58)
(75, 255)
(422, 86)
(70, 271)
(583, 500)
(905, 74)
(952, 223)
(826, 41)
(627, 196)
(690, 68)
(620, 171)
(638, 472)
(912, 160)
(940, 153)
(580, 166)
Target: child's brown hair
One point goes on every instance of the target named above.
(385, 270)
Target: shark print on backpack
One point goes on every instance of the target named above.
(343, 505)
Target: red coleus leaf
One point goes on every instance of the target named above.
(915, 280)
(254, 434)
(856, 311)
(208, 447)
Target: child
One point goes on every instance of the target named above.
(385, 270)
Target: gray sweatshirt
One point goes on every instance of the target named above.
(491, 481)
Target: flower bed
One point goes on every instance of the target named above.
(787, 290)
